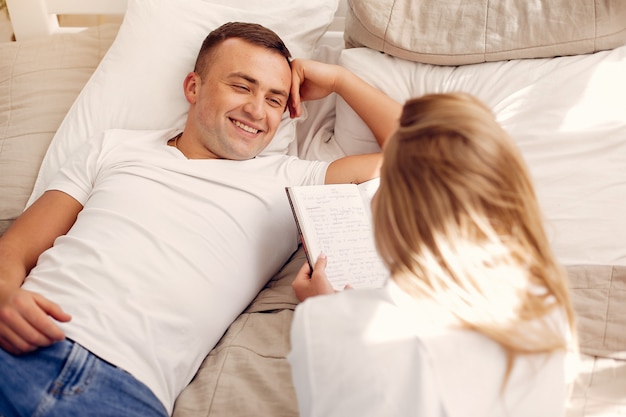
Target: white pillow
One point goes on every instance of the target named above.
(567, 115)
(138, 84)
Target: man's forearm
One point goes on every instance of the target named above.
(12, 268)
(51, 216)
(379, 111)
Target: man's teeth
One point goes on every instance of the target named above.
(245, 127)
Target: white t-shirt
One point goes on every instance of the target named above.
(381, 353)
(166, 251)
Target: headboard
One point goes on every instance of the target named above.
(38, 18)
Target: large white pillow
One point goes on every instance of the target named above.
(138, 84)
(568, 116)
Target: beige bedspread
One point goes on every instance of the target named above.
(247, 374)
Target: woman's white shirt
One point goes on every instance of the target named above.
(381, 353)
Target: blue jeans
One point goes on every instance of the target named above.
(66, 380)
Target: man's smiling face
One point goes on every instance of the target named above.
(238, 103)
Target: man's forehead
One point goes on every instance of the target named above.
(237, 56)
(233, 45)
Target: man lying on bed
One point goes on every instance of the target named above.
(119, 280)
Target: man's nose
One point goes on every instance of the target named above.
(255, 107)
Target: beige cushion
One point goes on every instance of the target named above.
(457, 32)
(39, 81)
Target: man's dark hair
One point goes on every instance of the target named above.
(250, 32)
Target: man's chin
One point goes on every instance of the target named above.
(243, 154)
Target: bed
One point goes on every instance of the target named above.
(553, 72)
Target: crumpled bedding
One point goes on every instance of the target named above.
(247, 373)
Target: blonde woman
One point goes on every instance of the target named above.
(476, 319)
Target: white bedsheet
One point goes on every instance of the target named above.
(567, 114)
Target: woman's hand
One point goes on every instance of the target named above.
(307, 284)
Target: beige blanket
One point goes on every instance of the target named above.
(247, 374)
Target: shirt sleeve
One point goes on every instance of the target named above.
(304, 172)
(77, 175)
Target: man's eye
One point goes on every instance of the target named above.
(275, 102)
(241, 87)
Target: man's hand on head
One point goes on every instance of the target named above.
(311, 80)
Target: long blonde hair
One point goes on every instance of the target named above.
(456, 219)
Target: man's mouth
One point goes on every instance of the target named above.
(245, 127)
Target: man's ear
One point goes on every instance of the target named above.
(191, 86)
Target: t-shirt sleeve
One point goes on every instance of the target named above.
(77, 175)
(304, 172)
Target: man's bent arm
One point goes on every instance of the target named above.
(34, 231)
(354, 169)
(26, 318)
(312, 80)
(379, 111)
